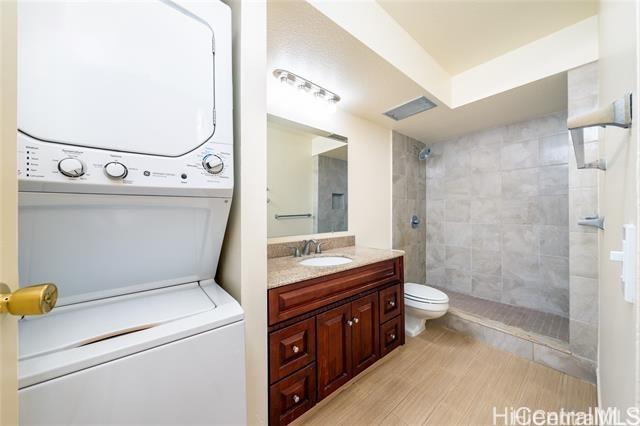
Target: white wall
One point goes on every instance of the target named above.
(369, 162)
(289, 179)
(618, 356)
(243, 266)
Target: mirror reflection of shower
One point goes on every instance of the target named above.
(424, 154)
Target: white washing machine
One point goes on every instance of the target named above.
(125, 166)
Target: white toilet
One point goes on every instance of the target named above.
(422, 303)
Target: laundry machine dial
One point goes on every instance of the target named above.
(71, 167)
(116, 170)
(212, 164)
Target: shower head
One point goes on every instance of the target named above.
(424, 154)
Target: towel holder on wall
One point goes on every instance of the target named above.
(617, 114)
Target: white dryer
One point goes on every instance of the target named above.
(125, 166)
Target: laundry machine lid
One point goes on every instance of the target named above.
(424, 293)
(86, 323)
(123, 76)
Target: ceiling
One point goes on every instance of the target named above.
(462, 34)
(302, 40)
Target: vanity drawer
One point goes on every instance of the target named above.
(291, 348)
(390, 335)
(291, 397)
(391, 301)
(296, 299)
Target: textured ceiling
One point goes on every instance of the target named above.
(304, 41)
(462, 34)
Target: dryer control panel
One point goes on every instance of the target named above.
(49, 167)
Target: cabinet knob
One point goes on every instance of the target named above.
(392, 303)
(349, 323)
(356, 320)
(296, 399)
(295, 349)
(392, 336)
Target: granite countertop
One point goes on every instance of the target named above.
(286, 270)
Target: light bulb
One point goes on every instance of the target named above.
(331, 105)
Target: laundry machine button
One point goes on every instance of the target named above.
(71, 167)
(116, 170)
(212, 164)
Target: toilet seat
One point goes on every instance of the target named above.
(424, 294)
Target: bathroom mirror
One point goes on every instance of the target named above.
(306, 180)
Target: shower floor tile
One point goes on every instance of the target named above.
(529, 320)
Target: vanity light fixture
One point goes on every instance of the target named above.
(306, 86)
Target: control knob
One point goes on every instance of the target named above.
(71, 167)
(116, 170)
(212, 164)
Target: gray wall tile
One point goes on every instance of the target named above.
(583, 255)
(520, 239)
(409, 194)
(583, 202)
(486, 184)
(457, 234)
(486, 210)
(552, 180)
(520, 211)
(457, 185)
(458, 280)
(435, 233)
(486, 262)
(486, 237)
(554, 149)
(554, 241)
(485, 156)
(435, 256)
(519, 155)
(435, 211)
(435, 189)
(458, 258)
(486, 286)
(584, 339)
(520, 183)
(584, 299)
(457, 210)
(521, 266)
(553, 210)
(506, 199)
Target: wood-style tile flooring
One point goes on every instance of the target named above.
(442, 377)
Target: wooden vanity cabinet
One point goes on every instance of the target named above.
(333, 328)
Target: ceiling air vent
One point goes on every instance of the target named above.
(410, 108)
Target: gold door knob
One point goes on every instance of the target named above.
(33, 300)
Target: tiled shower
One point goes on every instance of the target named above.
(498, 232)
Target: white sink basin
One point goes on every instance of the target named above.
(326, 261)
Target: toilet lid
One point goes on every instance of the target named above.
(424, 293)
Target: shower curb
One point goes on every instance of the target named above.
(543, 350)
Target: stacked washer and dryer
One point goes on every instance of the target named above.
(125, 164)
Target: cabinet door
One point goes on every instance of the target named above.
(333, 349)
(365, 332)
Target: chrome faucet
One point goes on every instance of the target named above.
(305, 246)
